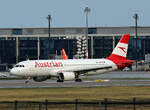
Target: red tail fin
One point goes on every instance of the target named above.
(87, 54)
(64, 56)
(120, 51)
(119, 54)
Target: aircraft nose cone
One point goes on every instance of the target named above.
(13, 71)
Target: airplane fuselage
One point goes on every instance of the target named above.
(53, 67)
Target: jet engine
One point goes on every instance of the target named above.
(41, 78)
(67, 76)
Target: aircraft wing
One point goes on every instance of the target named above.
(91, 69)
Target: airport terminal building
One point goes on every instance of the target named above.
(18, 44)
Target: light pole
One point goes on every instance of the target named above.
(136, 17)
(87, 10)
(49, 32)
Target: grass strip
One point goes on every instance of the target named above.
(69, 94)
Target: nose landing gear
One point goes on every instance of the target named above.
(27, 81)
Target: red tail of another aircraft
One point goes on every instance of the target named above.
(64, 55)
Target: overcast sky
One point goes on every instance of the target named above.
(70, 13)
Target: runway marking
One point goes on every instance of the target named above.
(99, 80)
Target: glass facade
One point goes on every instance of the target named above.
(16, 31)
(135, 52)
(92, 31)
(146, 41)
(44, 48)
(7, 51)
(56, 46)
(27, 48)
(102, 47)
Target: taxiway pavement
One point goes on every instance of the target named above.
(54, 84)
(93, 81)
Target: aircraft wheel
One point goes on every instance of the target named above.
(59, 80)
(27, 81)
(78, 80)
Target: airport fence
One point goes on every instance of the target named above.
(105, 104)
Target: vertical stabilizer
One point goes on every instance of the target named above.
(119, 54)
(87, 54)
(64, 55)
(120, 51)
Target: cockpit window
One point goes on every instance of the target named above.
(16, 65)
(19, 66)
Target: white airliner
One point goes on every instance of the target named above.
(71, 69)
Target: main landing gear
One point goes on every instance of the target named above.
(77, 79)
(60, 80)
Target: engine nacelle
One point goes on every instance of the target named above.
(67, 76)
(40, 78)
